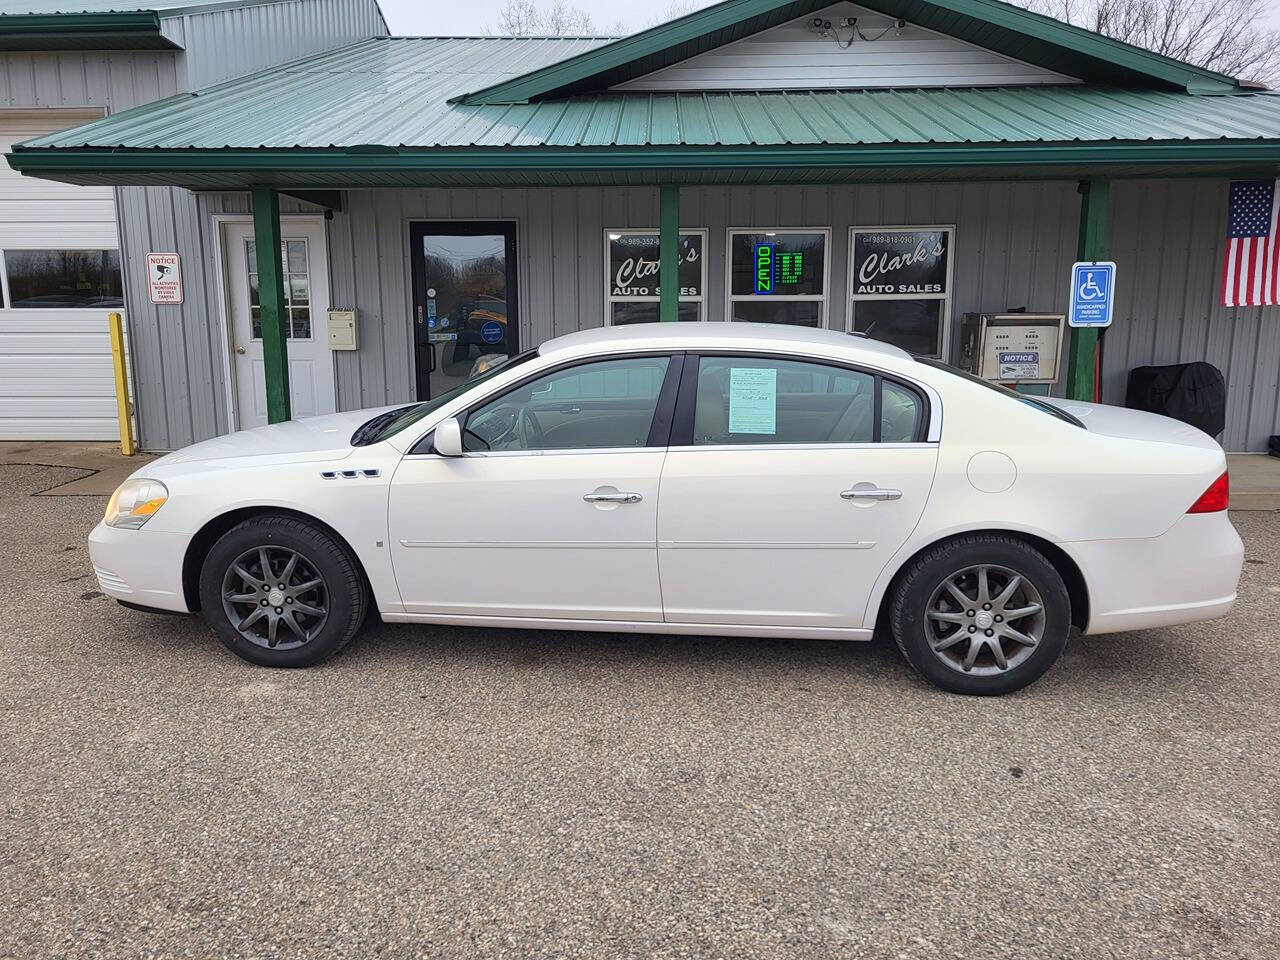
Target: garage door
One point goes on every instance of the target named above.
(59, 277)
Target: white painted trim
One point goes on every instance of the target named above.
(610, 300)
(825, 300)
(220, 221)
(944, 345)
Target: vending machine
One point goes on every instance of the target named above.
(1013, 348)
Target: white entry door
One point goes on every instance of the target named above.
(306, 289)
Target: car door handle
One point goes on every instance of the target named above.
(619, 497)
(870, 493)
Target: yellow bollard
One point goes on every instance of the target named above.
(122, 383)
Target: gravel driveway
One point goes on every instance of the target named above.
(484, 793)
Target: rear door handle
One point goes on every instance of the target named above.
(860, 492)
(619, 497)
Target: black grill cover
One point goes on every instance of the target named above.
(1194, 393)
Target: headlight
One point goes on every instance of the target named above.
(134, 502)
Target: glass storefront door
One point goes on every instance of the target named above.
(464, 289)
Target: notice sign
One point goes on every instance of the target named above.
(164, 277)
(1019, 366)
(900, 263)
(753, 400)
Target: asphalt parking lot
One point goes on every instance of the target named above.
(472, 793)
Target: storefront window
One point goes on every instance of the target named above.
(778, 276)
(63, 279)
(632, 293)
(900, 286)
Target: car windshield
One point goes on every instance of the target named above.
(1035, 403)
(393, 421)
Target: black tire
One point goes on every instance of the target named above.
(927, 576)
(344, 596)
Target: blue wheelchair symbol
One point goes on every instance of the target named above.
(1092, 294)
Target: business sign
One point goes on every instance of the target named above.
(1093, 289)
(900, 263)
(492, 332)
(1019, 366)
(777, 263)
(164, 277)
(635, 262)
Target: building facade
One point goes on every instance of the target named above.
(64, 261)
(464, 196)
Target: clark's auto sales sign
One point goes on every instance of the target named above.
(900, 263)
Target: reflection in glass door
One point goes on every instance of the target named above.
(464, 300)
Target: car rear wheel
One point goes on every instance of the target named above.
(982, 615)
(281, 592)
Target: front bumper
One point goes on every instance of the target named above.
(143, 566)
(1189, 573)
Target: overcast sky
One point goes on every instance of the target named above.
(452, 17)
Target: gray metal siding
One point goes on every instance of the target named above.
(792, 56)
(114, 81)
(1014, 245)
(1168, 239)
(222, 44)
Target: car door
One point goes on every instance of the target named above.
(788, 485)
(551, 511)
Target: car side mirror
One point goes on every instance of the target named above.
(448, 438)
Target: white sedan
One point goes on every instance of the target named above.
(699, 478)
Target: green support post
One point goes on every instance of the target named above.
(669, 253)
(1095, 197)
(271, 302)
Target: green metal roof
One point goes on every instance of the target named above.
(380, 111)
(998, 26)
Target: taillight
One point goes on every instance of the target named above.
(1215, 498)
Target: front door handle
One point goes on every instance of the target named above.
(619, 497)
(861, 492)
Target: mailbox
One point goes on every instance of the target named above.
(342, 330)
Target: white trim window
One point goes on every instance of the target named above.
(631, 291)
(900, 286)
(778, 274)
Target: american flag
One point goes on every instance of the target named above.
(1251, 267)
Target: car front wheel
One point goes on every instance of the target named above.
(982, 615)
(281, 592)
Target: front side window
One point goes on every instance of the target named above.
(609, 403)
(766, 400)
(63, 279)
(900, 286)
(632, 293)
(778, 276)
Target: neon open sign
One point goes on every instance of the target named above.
(775, 270)
(764, 268)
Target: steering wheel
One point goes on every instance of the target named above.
(531, 428)
(507, 419)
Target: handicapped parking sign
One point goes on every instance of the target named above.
(1093, 288)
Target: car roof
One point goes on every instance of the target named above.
(708, 335)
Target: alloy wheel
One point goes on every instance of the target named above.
(274, 597)
(984, 620)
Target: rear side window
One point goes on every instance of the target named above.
(750, 400)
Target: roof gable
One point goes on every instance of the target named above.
(992, 24)
(884, 52)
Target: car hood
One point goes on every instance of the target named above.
(326, 437)
(1133, 424)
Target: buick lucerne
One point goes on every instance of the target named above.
(694, 478)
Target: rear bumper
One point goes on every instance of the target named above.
(140, 567)
(1188, 573)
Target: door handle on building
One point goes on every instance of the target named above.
(619, 497)
(860, 492)
(240, 350)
